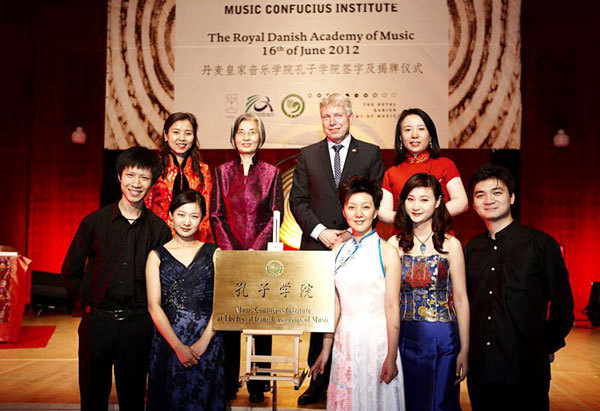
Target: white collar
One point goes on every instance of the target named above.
(345, 142)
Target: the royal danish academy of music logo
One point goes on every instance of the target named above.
(259, 105)
(292, 105)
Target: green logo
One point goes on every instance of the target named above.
(274, 268)
(292, 105)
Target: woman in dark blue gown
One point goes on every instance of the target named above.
(186, 360)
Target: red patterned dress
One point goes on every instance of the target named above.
(159, 198)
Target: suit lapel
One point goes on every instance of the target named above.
(326, 163)
(350, 157)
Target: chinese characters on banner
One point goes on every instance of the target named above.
(279, 60)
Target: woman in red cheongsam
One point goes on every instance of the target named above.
(182, 170)
(418, 151)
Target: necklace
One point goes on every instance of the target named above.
(423, 247)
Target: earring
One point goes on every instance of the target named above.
(401, 145)
(431, 144)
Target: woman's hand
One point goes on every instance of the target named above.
(185, 356)
(462, 366)
(198, 348)
(389, 370)
(319, 365)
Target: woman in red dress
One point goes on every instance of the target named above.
(418, 151)
(182, 170)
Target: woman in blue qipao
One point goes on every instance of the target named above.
(434, 309)
(186, 359)
(366, 373)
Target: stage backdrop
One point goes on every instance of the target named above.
(457, 59)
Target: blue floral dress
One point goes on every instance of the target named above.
(429, 341)
(186, 298)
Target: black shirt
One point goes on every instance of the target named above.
(105, 264)
(510, 283)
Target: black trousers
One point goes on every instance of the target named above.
(314, 350)
(531, 396)
(231, 341)
(104, 343)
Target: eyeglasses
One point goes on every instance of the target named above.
(251, 133)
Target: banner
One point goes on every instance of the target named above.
(278, 59)
(456, 59)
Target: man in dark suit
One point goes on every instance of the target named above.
(314, 201)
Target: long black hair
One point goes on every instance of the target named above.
(441, 222)
(434, 149)
(194, 151)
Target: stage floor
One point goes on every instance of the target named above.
(46, 378)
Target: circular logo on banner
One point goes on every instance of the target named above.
(274, 268)
(292, 105)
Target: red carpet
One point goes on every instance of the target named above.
(32, 336)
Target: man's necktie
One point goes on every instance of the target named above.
(337, 166)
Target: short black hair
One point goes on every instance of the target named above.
(139, 157)
(360, 184)
(187, 197)
(492, 171)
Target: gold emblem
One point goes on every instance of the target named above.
(276, 290)
(274, 268)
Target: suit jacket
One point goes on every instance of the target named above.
(314, 197)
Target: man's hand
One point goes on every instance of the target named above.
(329, 237)
(344, 235)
